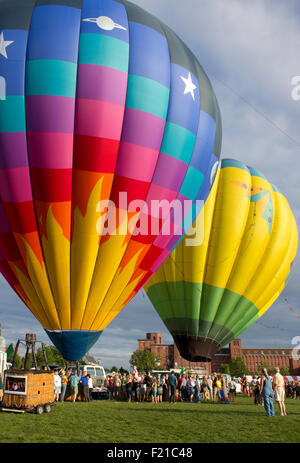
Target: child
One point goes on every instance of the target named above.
(154, 391)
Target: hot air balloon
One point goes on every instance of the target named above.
(101, 104)
(209, 291)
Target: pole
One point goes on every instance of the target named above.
(34, 356)
(45, 355)
(26, 357)
(15, 354)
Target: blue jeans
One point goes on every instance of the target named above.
(63, 392)
(268, 404)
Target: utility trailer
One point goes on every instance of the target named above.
(28, 390)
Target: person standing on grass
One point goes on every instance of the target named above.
(183, 388)
(215, 387)
(142, 389)
(224, 389)
(148, 381)
(129, 387)
(117, 385)
(191, 388)
(123, 386)
(64, 382)
(84, 380)
(172, 383)
(160, 389)
(279, 391)
(256, 391)
(110, 388)
(219, 388)
(232, 390)
(210, 387)
(205, 389)
(165, 388)
(74, 381)
(198, 390)
(91, 386)
(135, 382)
(267, 392)
(154, 391)
(57, 386)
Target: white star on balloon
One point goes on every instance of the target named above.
(189, 85)
(4, 44)
(105, 23)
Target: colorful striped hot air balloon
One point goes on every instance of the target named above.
(209, 292)
(100, 103)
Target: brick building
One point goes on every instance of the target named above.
(252, 357)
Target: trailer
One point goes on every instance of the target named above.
(28, 391)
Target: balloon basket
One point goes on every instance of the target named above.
(28, 390)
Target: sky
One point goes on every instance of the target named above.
(250, 51)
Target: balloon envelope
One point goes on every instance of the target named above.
(210, 290)
(101, 105)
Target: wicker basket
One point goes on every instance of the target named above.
(39, 391)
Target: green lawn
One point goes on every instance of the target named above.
(119, 422)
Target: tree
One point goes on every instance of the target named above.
(123, 371)
(264, 364)
(225, 368)
(284, 371)
(237, 367)
(114, 369)
(18, 361)
(145, 360)
(53, 357)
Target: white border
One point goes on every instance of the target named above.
(15, 392)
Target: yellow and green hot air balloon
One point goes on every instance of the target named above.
(208, 294)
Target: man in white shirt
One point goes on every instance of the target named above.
(57, 386)
(279, 391)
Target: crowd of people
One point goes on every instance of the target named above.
(72, 378)
(251, 389)
(141, 387)
(263, 389)
(184, 387)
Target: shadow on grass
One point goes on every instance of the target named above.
(255, 412)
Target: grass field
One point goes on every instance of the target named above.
(121, 422)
